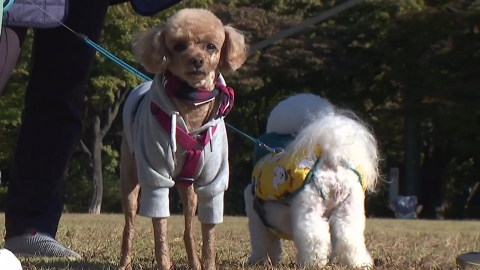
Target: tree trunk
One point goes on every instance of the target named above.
(101, 126)
(412, 139)
(97, 145)
(433, 182)
(411, 155)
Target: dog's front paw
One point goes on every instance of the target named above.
(364, 266)
(312, 263)
(365, 262)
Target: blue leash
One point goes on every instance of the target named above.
(114, 58)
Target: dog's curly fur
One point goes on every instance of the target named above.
(186, 35)
(189, 36)
(331, 225)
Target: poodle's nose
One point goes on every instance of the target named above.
(197, 62)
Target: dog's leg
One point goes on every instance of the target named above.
(129, 191)
(274, 249)
(208, 249)
(189, 201)
(162, 253)
(347, 224)
(261, 239)
(309, 228)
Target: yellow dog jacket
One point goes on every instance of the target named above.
(278, 177)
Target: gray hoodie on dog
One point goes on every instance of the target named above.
(154, 148)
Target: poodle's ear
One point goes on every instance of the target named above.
(150, 50)
(234, 50)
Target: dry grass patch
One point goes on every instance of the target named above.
(395, 244)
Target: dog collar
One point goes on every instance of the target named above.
(179, 89)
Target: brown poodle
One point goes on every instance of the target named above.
(189, 98)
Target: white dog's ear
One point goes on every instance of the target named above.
(150, 50)
(234, 50)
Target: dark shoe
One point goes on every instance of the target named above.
(39, 244)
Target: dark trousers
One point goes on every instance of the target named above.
(52, 119)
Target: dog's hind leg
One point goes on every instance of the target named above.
(189, 201)
(129, 191)
(310, 228)
(347, 224)
(260, 237)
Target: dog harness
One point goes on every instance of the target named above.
(278, 177)
(194, 145)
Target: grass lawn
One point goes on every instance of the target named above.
(395, 244)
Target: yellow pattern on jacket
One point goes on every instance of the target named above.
(275, 176)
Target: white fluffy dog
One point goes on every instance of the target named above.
(337, 158)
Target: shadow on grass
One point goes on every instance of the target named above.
(85, 264)
(70, 265)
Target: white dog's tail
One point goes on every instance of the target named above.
(342, 137)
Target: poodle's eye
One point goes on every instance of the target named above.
(179, 47)
(211, 47)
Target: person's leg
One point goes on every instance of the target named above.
(51, 126)
(11, 41)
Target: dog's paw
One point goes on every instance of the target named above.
(360, 260)
(313, 264)
(365, 263)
